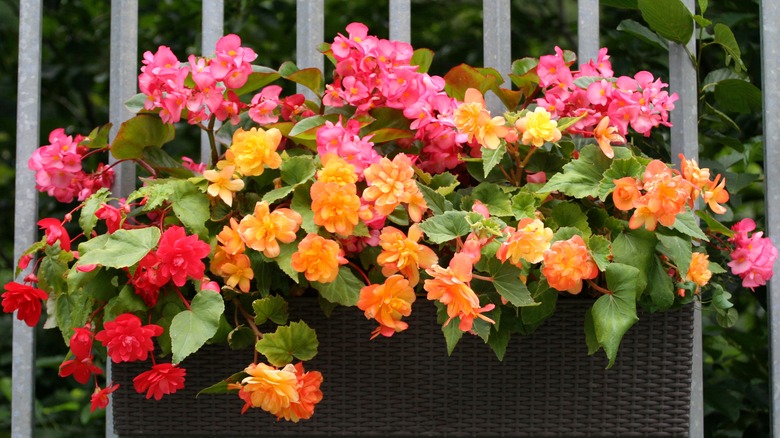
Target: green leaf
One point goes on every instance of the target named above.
(310, 78)
(121, 249)
(524, 205)
(506, 280)
(452, 333)
(127, 301)
(670, 18)
(600, 250)
(660, 287)
(491, 157)
(277, 194)
(422, 58)
(87, 218)
(98, 138)
(284, 259)
(740, 96)
(191, 329)
(619, 169)
(547, 297)
(582, 177)
(497, 201)
(241, 337)
(259, 78)
(138, 133)
(636, 248)
(637, 30)
(136, 103)
(703, 9)
(191, 206)
(614, 314)
(344, 290)
(221, 387)
(307, 128)
(436, 202)
(725, 38)
(721, 297)
(727, 318)
(686, 224)
(296, 340)
(383, 135)
(463, 77)
(272, 307)
(297, 170)
(676, 248)
(301, 203)
(445, 227)
(164, 164)
(567, 214)
(590, 333)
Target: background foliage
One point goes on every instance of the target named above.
(75, 83)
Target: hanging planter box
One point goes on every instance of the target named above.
(547, 384)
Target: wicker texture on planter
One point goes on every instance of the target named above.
(547, 385)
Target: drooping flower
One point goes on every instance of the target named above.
(451, 287)
(567, 263)
(309, 395)
(605, 135)
(270, 389)
(387, 303)
(402, 253)
(254, 150)
(162, 379)
(24, 299)
(111, 215)
(81, 342)
(126, 339)
(335, 206)
(699, 271)
(181, 255)
(148, 278)
(318, 258)
(230, 239)
(528, 242)
(223, 183)
(537, 128)
(99, 399)
(626, 193)
(55, 232)
(263, 229)
(81, 369)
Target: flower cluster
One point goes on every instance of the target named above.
(383, 193)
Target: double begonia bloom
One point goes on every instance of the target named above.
(391, 183)
(99, 399)
(528, 242)
(263, 229)
(402, 253)
(148, 278)
(471, 118)
(55, 232)
(254, 150)
(665, 197)
(335, 206)
(25, 300)
(181, 255)
(223, 184)
(318, 258)
(268, 388)
(162, 379)
(537, 128)
(387, 303)
(336, 170)
(309, 395)
(81, 369)
(567, 263)
(126, 339)
(451, 287)
(699, 271)
(230, 239)
(626, 193)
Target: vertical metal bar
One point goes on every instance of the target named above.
(587, 30)
(770, 69)
(28, 116)
(123, 85)
(213, 26)
(309, 34)
(685, 140)
(496, 43)
(400, 20)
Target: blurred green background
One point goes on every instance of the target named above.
(75, 81)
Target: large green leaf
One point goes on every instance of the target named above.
(191, 329)
(613, 314)
(463, 77)
(296, 340)
(435, 200)
(491, 157)
(670, 18)
(660, 287)
(344, 290)
(143, 130)
(297, 170)
(636, 248)
(506, 279)
(637, 30)
(497, 201)
(582, 177)
(445, 227)
(677, 248)
(736, 95)
(121, 249)
(191, 206)
(422, 58)
(725, 38)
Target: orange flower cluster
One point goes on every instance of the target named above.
(472, 119)
(402, 253)
(699, 271)
(567, 263)
(335, 202)
(229, 260)
(289, 393)
(391, 183)
(318, 258)
(666, 193)
(263, 229)
(451, 287)
(387, 303)
(528, 242)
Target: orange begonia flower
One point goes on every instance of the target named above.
(223, 184)
(309, 395)
(699, 271)
(336, 170)
(605, 135)
(237, 271)
(537, 128)
(451, 287)
(254, 150)
(528, 242)
(626, 193)
(230, 239)
(263, 230)
(335, 206)
(318, 258)
(268, 388)
(391, 183)
(567, 263)
(387, 303)
(404, 254)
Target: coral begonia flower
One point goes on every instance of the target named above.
(605, 135)
(318, 258)
(81, 369)
(99, 399)
(401, 253)
(263, 230)
(391, 183)
(528, 242)
(715, 194)
(230, 239)
(699, 271)
(626, 193)
(55, 232)
(387, 303)
(451, 287)
(309, 395)
(126, 339)
(238, 272)
(336, 170)
(162, 379)
(181, 255)
(538, 128)
(270, 389)
(223, 184)
(335, 206)
(25, 299)
(567, 263)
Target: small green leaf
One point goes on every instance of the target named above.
(136, 103)
(590, 334)
(344, 290)
(301, 203)
(121, 249)
(127, 301)
(567, 214)
(436, 202)
(221, 387)
(703, 9)
(637, 30)
(297, 170)
(98, 138)
(307, 128)
(614, 314)
(491, 157)
(191, 329)
(676, 248)
(384, 135)
(87, 218)
(452, 333)
(191, 206)
(600, 250)
(686, 224)
(134, 135)
(422, 58)
(463, 77)
(277, 194)
(497, 201)
(272, 307)
(296, 340)
(619, 169)
(445, 227)
(670, 18)
(284, 260)
(241, 337)
(636, 248)
(727, 318)
(660, 287)
(524, 205)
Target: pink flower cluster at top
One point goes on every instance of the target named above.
(58, 170)
(372, 72)
(753, 257)
(640, 102)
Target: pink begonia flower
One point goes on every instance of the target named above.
(188, 163)
(754, 256)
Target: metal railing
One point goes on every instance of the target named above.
(309, 34)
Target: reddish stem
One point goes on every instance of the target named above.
(362, 274)
(599, 288)
(183, 300)
(92, 315)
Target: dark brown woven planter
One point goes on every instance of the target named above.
(407, 386)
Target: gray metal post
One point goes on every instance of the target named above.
(309, 34)
(587, 30)
(28, 117)
(123, 85)
(400, 20)
(770, 69)
(685, 140)
(213, 25)
(497, 45)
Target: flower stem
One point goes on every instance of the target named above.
(362, 274)
(183, 300)
(250, 320)
(599, 288)
(213, 141)
(482, 277)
